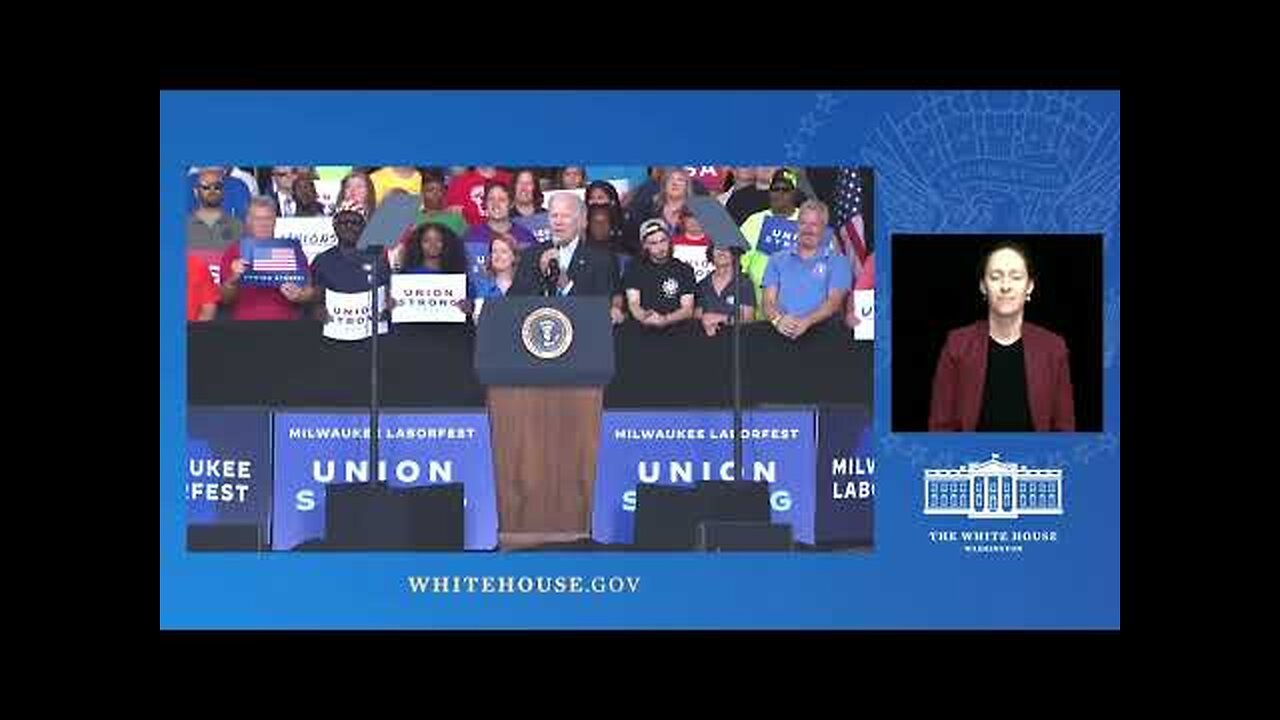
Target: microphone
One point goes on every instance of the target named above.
(371, 257)
(552, 277)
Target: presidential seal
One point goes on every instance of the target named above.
(547, 333)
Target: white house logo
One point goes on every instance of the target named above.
(993, 490)
(547, 333)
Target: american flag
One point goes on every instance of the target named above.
(275, 259)
(848, 213)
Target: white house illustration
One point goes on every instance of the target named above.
(993, 490)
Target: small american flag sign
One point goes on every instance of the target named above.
(275, 259)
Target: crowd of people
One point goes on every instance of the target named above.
(613, 231)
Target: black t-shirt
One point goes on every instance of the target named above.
(1004, 399)
(660, 286)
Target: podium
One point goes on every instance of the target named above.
(544, 362)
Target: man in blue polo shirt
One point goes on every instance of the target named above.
(806, 284)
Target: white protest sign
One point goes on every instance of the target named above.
(315, 234)
(349, 314)
(327, 194)
(695, 256)
(428, 297)
(864, 308)
(622, 185)
(581, 193)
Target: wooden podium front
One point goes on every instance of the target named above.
(545, 362)
(545, 441)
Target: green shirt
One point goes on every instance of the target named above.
(451, 220)
(753, 262)
(224, 231)
(332, 172)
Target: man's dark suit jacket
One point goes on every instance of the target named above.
(593, 271)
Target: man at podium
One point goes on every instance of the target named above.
(569, 266)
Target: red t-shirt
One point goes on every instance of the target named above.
(200, 287)
(212, 259)
(261, 303)
(467, 190)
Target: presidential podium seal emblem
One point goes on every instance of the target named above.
(547, 333)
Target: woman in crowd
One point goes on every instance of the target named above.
(572, 177)
(528, 196)
(603, 194)
(671, 200)
(723, 292)
(497, 210)
(1001, 373)
(431, 248)
(500, 270)
(357, 193)
(306, 198)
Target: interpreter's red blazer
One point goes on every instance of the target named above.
(959, 380)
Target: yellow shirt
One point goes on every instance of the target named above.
(754, 263)
(386, 180)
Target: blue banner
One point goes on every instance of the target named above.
(846, 489)
(779, 233)
(272, 263)
(681, 448)
(314, 450)
(538, 224)
(228, 467)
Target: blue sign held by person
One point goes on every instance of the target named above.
(272, 263)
